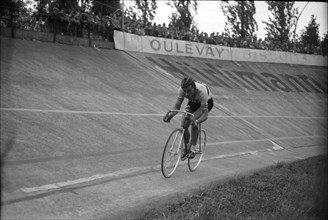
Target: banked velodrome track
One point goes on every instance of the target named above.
(82, 132)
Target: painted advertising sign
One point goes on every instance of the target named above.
(165, 46)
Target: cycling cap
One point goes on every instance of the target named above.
(186, 81)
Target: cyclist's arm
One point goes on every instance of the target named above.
(178, 102)
(177, 106)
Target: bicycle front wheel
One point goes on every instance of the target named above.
(172, 152)
(200, 149)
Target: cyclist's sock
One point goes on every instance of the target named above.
(193, 148)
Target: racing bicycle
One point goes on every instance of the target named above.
(175, 145)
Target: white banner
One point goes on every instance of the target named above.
(165, 46)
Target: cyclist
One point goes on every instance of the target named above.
(200, 103)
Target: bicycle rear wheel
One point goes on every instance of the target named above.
(200, 149)
(172, 153)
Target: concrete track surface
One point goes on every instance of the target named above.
(82, 132)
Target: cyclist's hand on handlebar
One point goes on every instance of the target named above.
(166, 119)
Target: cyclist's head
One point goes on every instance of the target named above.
(187, 81)
(188, 86)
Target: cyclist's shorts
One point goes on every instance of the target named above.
(192, 106)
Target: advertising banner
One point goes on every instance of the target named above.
(172, 47)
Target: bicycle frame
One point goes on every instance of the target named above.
(188, 113)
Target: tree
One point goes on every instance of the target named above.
(240, 18)
(146, 11)
(11, 11)
(324, 44)
(105, 7)
(310, 36)
(279, 28)
(15, 5)
(63, 4)
(41, 6)
(183, 17)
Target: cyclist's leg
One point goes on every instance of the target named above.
(194, 134)
(194, 128)
(185, 122)
(197, 114)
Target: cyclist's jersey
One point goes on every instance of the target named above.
(203, 94)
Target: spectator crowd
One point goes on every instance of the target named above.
(79, 23)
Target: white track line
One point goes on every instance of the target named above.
(261, 140)
(85, 180)
(121, 173)
(76, 112)
(132, 171)
(268, 116)
(237, 154)
(147, 114)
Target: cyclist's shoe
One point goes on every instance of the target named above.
(183, 155)
(191, 154)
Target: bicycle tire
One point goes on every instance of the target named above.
(200, 149)
(172, 152)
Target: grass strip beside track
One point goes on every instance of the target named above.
(294, 190)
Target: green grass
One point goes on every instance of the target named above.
(296, 190)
